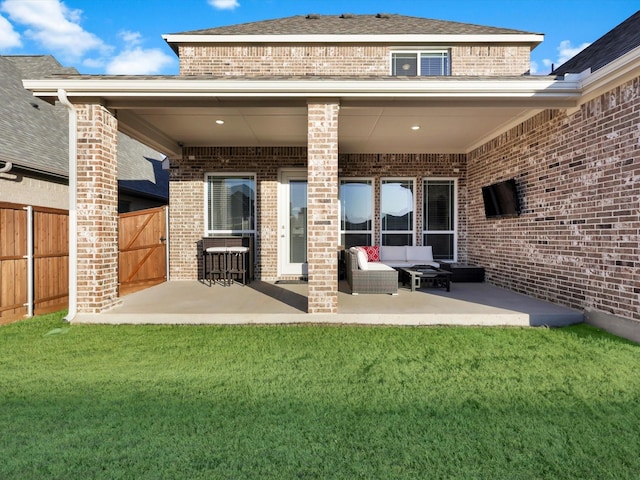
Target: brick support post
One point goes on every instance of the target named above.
(322, 206)
(97, 209)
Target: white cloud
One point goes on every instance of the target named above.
(132, 38)
(224, 4)
(9, 38)
(139, 61)
(566, 51)
(53, 25)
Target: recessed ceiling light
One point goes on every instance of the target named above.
(415, 127)
(220, 122)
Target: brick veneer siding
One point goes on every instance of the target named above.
(490, 60)
(322, 207)
(97, 209)
(576, 241)
(340, 60)
(187, 194)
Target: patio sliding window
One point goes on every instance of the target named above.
(397, 207)
(230, 204)
(356, 212)
(439, 217)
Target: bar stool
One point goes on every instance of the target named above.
(237, 265)
(216, 264)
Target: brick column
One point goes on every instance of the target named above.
(322, 206)
(97, 209)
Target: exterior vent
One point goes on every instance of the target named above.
(383, 15)
(347, 15)
(312, 16)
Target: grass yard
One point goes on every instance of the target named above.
(302, 402)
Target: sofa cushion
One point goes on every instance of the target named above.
(419, 255)
(373, 253)
(363, 264)
(378, 267)
(390, 254)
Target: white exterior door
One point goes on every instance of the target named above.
(292, 222)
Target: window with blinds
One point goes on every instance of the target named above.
(427, 63)
(230, 204)
(439, 217)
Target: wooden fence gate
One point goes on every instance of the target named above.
(143, 249)
(142, 257)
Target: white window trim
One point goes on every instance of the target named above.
(209, 233)
(413, 227)
(455, 213)
(418, 51)
(341, 232)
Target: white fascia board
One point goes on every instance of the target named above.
(177, 88)
(619, 71)
(529, 38)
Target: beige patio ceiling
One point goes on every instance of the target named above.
(375, 116)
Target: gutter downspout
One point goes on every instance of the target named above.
(7, 167)
(73, 205)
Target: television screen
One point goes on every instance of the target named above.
(501, 199)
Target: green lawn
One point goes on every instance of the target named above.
(162, 402)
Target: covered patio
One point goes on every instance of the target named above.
(279, 134)
(192, 302)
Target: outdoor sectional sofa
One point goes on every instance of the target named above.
(375, 270)
(376, 277)
(407, 256)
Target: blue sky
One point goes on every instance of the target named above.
(124, 36)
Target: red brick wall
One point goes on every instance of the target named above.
(187, 194)
(576, 242)
(339, 60)
(97, 209)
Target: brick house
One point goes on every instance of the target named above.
(312, 132)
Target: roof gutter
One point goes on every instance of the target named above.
(185, 88)
(73, 205)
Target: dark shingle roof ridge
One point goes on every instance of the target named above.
(620, 40)
(352, 24)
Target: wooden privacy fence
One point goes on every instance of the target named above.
(142, 257)
(34, 276)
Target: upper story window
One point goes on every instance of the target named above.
(428, 63)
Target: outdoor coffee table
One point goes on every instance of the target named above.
(427, 274)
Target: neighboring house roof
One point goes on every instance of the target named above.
(622, 39)
(34, 135)
(348, 24)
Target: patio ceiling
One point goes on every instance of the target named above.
(362, 129)
(453, 115)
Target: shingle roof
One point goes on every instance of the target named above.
(380, 24)
(35, 134)
(622, 39)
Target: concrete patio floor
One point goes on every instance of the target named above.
(192, 302)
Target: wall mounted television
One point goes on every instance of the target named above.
(501, 199)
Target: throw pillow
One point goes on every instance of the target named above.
(373, 253)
